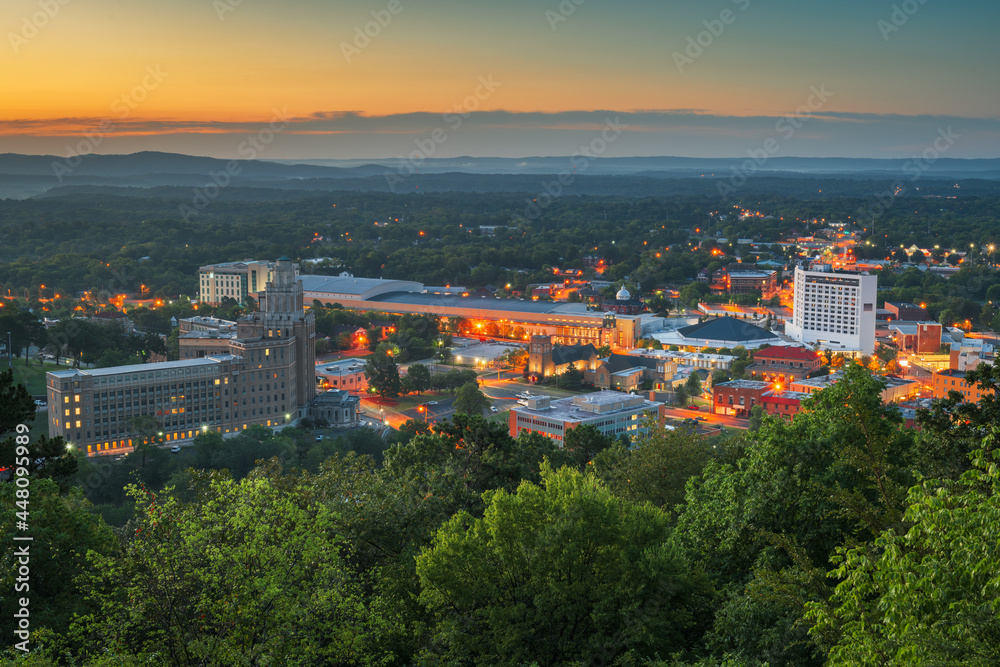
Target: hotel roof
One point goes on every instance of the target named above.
(139, 368)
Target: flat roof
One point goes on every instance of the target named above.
(744, 384)
(565, 410)
(362, 288)
(493, 303)
(137, 368)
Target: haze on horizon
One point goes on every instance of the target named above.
(855, 78)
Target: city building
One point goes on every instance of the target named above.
(623, 304)
(949, 380)
(692, 359)
(626, 372)
(612, 413)
(783, 364)
(740, 279)
(733, 310)
(834, 310)
(727, 332)
(235, 280)
(782, 404)
(969, 353)
(546, 359)
(907, 312)
(347, 374)
(736, 397)
(916, 337)
(336, 407)
(896, 388)
(566, 323)
(266, 377)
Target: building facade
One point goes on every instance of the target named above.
(783, 364)
(610, 412)
(736, 397)
(336, 408)
(266, 377)
(834, 310)
(946, 381)
(346, 374)
(235, 280)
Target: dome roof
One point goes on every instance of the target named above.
(623, 295)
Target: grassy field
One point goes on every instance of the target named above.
(32, 376)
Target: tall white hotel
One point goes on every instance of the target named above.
(834, 310)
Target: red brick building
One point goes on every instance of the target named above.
(907, 312)
(783, 404)
(783, 364)
(918, 337)
(735, 398)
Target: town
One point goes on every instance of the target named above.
(770, 325)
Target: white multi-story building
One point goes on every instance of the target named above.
(835, 310)
(236, 280)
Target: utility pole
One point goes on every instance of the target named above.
(9, 350)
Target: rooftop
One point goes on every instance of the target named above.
(745, 384)
(147, 368)
(790, 353)
(586, 407)
(726, 329)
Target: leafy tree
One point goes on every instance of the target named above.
(374, 337)
(251, 572)
(64, 528)
(40, 457)
(680, 395)
(470, 400)
(693, 384)
(420, 377)
(558, 573)
(382, 373)
(656, 468)
(757, 417)
(584, 443)
(571, 378)
(927, 595)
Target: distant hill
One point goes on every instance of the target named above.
(23, 176)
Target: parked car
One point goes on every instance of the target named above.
(493, 408)
(318, 438)
(175, 449)
(701, 419)
(692, 407)
(432, 402)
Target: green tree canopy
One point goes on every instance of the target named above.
(558, 573)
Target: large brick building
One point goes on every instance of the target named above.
(783, 364)
(736, 397)
(266, 378)
(916, 337)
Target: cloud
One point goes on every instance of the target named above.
(683, 132)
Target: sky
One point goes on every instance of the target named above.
(331, 79)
